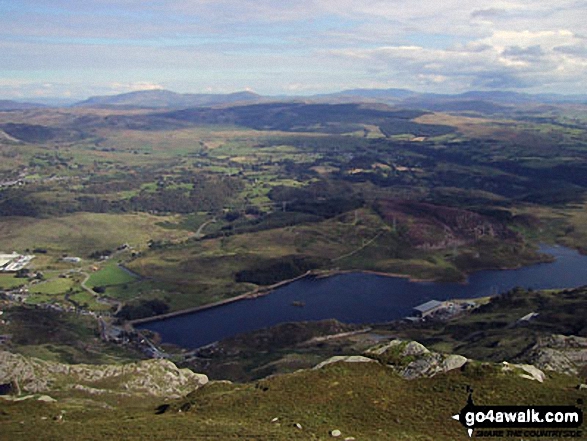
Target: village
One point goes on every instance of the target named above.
(110, 329)
(20, 295)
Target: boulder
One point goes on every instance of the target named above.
(414, 349)
(406, 347)
(526, 371)
(453, 362)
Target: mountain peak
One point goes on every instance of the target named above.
(161, 98)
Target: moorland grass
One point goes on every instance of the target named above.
(362, 400)
(83, 233)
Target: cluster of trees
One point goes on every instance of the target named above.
(208, 194)
(277, 270)
(322, 199)
(142, 309)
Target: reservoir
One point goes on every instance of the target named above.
(360, 298)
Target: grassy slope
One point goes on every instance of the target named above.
(208, 268)
(83, 233)
(205, 271)
(8, 281)
(366, 401)
(55, 336)
(110, 274)
(565, 225)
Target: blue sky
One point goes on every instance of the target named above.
(67, 48)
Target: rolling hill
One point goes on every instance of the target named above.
(167, 99)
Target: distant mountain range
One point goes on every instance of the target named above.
(168, 99)
(474, 101)
(7, 105)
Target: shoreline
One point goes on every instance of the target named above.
(259, 292)
(323, 274)
(319, 274)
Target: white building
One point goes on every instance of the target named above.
(14, 262)
(428, 308)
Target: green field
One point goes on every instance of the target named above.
(8, 281)
(53, 287)
(110, 274)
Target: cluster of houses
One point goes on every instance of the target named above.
(129, 336)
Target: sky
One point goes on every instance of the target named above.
(80, 48)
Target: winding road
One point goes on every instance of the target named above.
(198, 234)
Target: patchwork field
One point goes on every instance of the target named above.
(216, 202)
(172, 208)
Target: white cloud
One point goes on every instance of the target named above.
(508, 59)
(277, 47)
(132, 87)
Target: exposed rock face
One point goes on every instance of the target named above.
(151, 377)
(526, 371)
(434, 227)
(405, 348)
(559, 353)
(413, 360)
(553, 360)
(347, 359)
(431, 364)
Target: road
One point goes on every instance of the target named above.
(198, 234)
(96, 295)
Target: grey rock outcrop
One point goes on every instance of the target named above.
(151, 377)
(527, 371)
(559, 353)
(346, 359)
(413, 360)
(407, 348)
(430, 365)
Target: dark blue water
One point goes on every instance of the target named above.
(361, 298)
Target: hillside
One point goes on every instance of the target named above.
(233, 198)
(8, 105)
(135, 211)
(365, 388)
(483, 102)
(357, 397)
(167, 99)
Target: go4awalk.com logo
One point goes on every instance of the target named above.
(521, 421)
